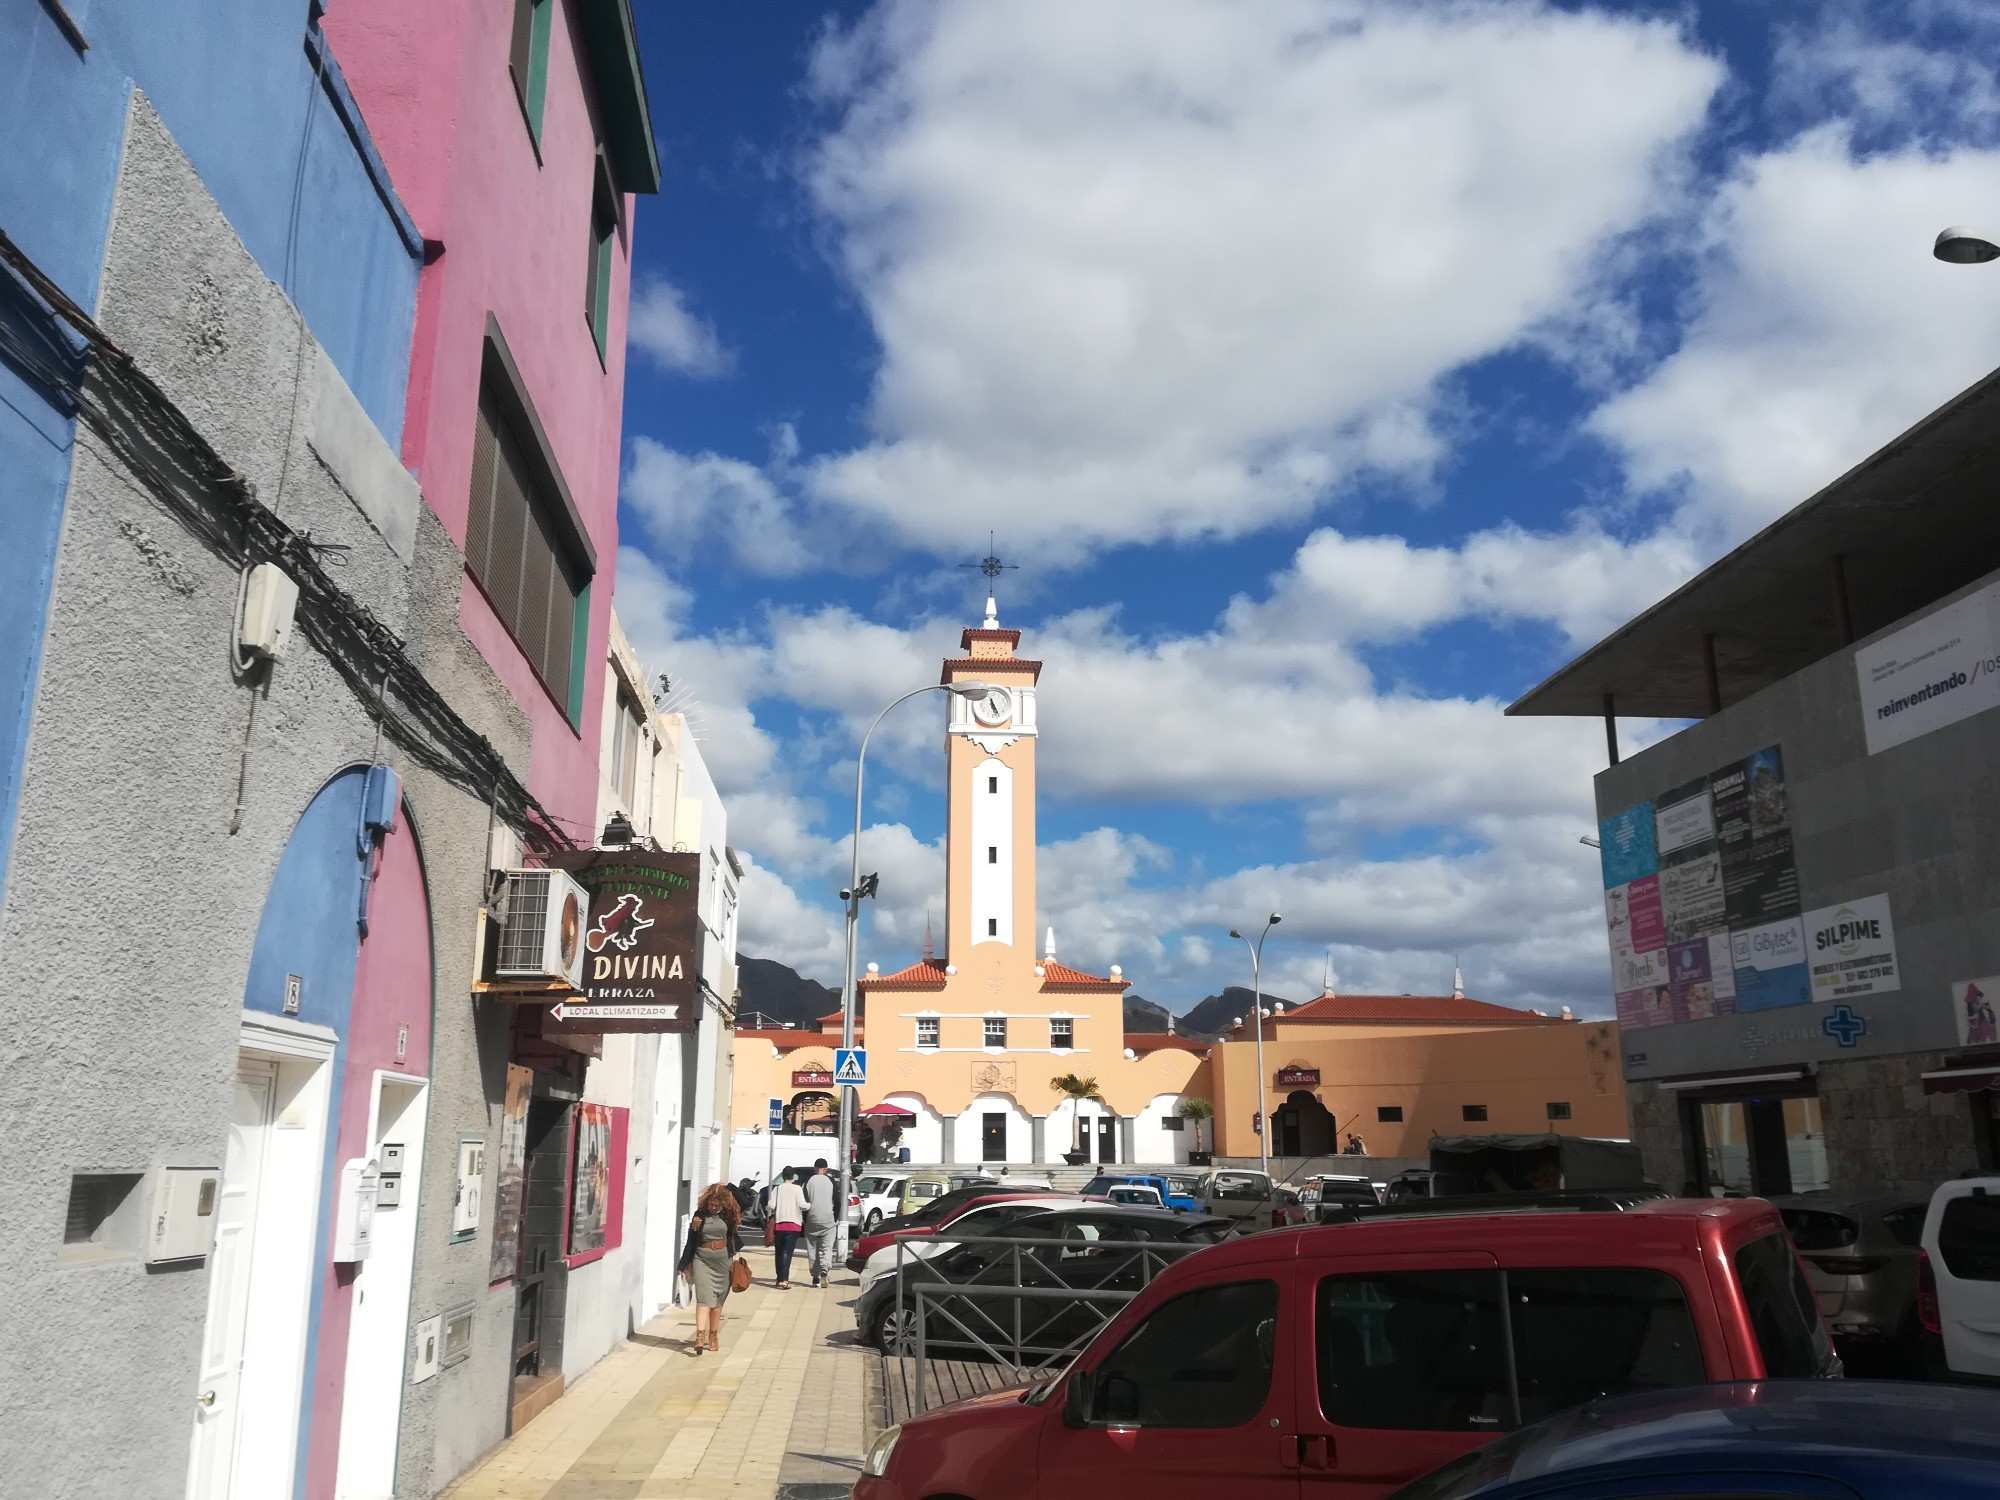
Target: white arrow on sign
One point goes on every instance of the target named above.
(562, 1011)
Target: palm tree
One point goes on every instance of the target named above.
(1072, 1087)
(1197, 1110)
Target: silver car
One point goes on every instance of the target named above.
(1861, 1256)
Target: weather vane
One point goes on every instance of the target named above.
(992, 567)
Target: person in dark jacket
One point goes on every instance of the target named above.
(712, 1243)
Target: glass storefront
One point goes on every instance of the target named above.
(1765, 1147)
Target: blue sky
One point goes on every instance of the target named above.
(1333, 370)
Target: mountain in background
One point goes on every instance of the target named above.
(1213, 1016)
(776, 995)
(1143, 1015)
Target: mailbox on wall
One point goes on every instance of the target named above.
(354, 1210)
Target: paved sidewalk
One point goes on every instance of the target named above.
(778, 1415)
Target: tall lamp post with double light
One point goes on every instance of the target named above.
(853, 896)
(1257, 1015)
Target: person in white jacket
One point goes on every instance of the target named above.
(788, 1220)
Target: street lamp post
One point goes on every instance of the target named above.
(852, 896)
(1257, 1015)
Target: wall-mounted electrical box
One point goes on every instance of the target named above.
(389, 1160)
(380, 792)
(354, 1210)
(270, 599)
(181, 1221)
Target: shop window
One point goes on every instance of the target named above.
(596, 1181)
(1805, 1145)
(927, 1031)
(1389, 1114)
(996, 1031)
(1202, 1360)
(1472, 1112)
(1783, 1312)
(1062, 1033)
(1725, 1144)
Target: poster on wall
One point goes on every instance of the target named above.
(1770, 966)
(1638, 936)
(510, 1170)
(1626, 845)
(1690, 863)
(1753, 830)
(1935, 672)
(1851, 949)
(1972, 1003)
(1644, 1007)
(590, 1180)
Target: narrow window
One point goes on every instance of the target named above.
(1472, 1111)
(1559, 1110)
(1389, 1114)
(514, 550)
(993, 783)
(993, 927)
(1062, 1033)
(996, 1031)
(927, 1031)
(603, 235)
(627, 734)
(528, 60)
(993, 854)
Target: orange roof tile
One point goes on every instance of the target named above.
(1161, 1041)
(924, 974)
(1055, 975)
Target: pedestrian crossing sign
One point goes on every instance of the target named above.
(850, 1065)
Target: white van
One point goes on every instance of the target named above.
(1958, 1285)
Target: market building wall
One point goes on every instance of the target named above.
(1913, 823)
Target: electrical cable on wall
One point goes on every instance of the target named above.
(218, 506)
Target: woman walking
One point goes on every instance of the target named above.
(788, 1215)
(712, 1243)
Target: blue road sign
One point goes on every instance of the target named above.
(850, 1065)
(777, 1114)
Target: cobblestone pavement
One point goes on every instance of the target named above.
(779, 1415)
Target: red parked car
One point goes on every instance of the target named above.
(1345, 1360)
(867, 1245)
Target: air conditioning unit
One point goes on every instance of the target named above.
(541, 927)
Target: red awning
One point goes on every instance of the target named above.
(1961, 1080)
(888, 1110)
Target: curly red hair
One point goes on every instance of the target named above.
(717, 1199)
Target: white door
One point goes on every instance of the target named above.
(1962, 1238)
(216, 1405)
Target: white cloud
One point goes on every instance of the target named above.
(1172, 268)
(680, 343)
(688, 503)
(1823, 328)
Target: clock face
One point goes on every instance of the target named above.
(997, 707)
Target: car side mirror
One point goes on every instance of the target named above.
(1076, 1399)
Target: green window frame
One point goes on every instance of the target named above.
(528, 61)
(603, 238)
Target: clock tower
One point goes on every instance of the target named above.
(990, 818)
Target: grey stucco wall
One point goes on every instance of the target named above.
(131, 910)
(1915, 822)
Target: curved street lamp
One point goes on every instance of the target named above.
(1257, 1014)
(852, 896)
(1964, 247)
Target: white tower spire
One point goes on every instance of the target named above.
(992, 612)
(1049, 948)
(1327, 980)
(1457, 982)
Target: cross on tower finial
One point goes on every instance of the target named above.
(992, 567)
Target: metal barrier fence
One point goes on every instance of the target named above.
(1054, 1304)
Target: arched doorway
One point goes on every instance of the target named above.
(1301, 1126)
(812, 1112)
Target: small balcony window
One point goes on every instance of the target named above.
(1062, 1033)
(927, 1031)
(996, 1031)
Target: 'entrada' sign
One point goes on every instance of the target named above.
(642, 961)
(1296, 1077)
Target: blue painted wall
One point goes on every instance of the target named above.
(309, 929)
(259, 111)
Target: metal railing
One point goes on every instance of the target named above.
(955, 1317)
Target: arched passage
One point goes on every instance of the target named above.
(1301, 1126)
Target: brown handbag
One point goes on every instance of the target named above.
(770, 1230)
(739, 1275)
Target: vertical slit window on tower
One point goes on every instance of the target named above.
(993, 854)
(993, 783)
(996, 1031)
(993, 927)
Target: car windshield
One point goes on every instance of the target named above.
(1186, 1187)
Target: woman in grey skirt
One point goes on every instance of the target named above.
(712, 1243)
